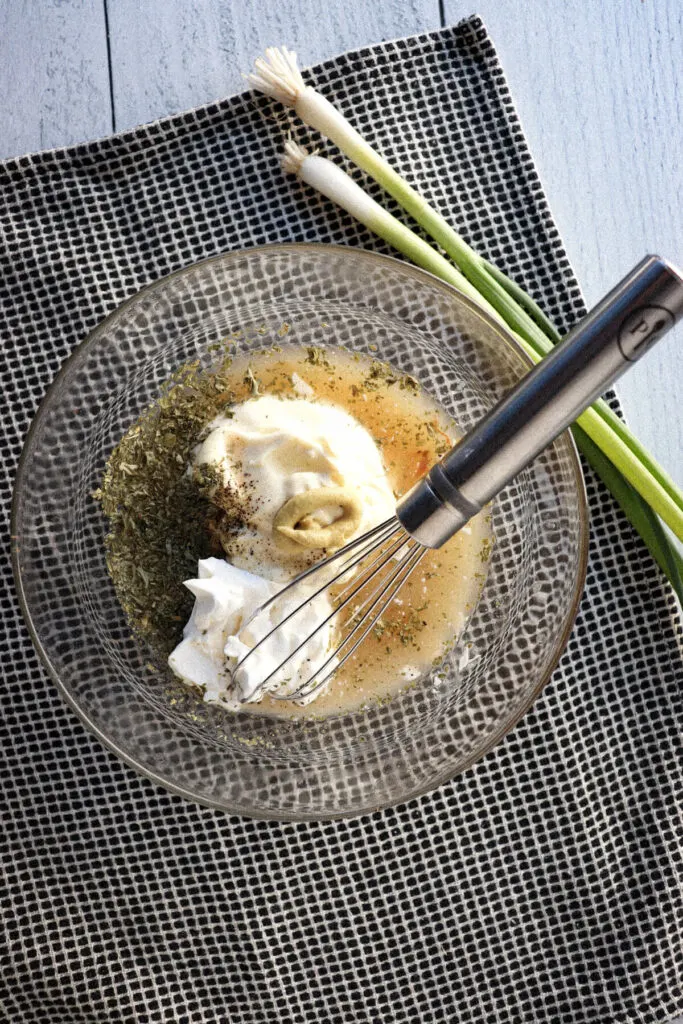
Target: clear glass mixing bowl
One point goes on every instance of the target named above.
(254, 765)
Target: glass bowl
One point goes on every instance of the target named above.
(262, 766)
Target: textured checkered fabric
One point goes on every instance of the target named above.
(544, 884)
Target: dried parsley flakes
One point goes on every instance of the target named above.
(162, 519)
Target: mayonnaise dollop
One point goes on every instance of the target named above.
(267, 451)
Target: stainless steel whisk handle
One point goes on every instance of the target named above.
(621, 328)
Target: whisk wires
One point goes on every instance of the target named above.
(388, 543)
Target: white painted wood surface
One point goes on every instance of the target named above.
(199, 51)
(597, 86)
(54, 76)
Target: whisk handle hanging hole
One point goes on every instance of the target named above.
(616, 333)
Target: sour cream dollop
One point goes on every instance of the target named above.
(214, 640)
(266, 452)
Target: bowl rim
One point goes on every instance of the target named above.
(92, 339)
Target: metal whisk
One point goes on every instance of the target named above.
(363, 577)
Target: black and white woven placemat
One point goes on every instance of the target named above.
(544, 884)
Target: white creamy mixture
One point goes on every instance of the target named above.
(268, 451)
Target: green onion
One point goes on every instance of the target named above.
(638, 483)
